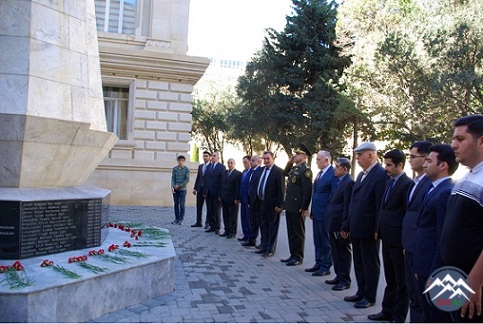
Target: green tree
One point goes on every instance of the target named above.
(294, 78)
(252, 116)
(416, 66)
(453, 44)
(209, 124)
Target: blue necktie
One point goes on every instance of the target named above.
(389, 189)
(431, 187)
(261, 185)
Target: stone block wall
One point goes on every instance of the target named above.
(161, 77)
(162, 121)
(138, 171)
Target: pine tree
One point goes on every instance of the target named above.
(297, 75)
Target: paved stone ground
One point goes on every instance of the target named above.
(218, 280)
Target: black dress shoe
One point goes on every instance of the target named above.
(313, 269)
(224, 234)
(267, 254)
(196, 225)
(363, 303)
(258, 246)
(248, 243)
(209, 230)
(207, 226)
(260, 252)
(379, 317)
(286, 260)
(217, 232)
(242, 239)
(230, 236)
(334, 281)
(321, 273)
(341, 286)
(294, 262)
(353, 298)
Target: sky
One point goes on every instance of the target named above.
(233, 29)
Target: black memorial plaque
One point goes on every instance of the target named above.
(9, 228)
(37, 228)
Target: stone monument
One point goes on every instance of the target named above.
(52, 128)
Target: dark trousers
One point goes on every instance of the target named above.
(323, 255)
(367, 266)
(415, 296)
(395, 302)
(230, 217)
(245, 219)
(200, 200)
(296, 235)
(213, 206)
(342, 257)
(432, 314)
(269, 224)
(179, 198)
(254, 223)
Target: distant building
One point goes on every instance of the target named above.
(147, 80)
(222, 74)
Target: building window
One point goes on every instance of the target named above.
(116, 103)
(116, 16)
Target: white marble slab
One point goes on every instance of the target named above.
(56, 298)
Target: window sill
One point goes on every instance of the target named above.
(125, 144)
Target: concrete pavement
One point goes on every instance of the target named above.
(218, 280)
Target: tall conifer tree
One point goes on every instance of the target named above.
(298, 72)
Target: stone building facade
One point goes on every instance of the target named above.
(148, 81)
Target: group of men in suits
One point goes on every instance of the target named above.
(420, 221)
(220, 188)
(424, 224)
(259, 190)
(209, 183)
(386, 205)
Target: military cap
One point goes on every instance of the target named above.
(367, 146)
(302, 149)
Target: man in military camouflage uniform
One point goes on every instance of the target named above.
(297, 201)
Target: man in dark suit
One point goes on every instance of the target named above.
(418, 153)
(253, 205)
(213, 187)
(366, 200)
(244, 205)
(323, 184)
(270, 194)
(337, 211)
(230, 199)
(395, 302)
(198, 188)
(440, 165)
(297, 201)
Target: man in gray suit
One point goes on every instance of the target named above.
(364, 207)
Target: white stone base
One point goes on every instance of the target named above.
(56, 298)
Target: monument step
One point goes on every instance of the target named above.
(54, 297)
